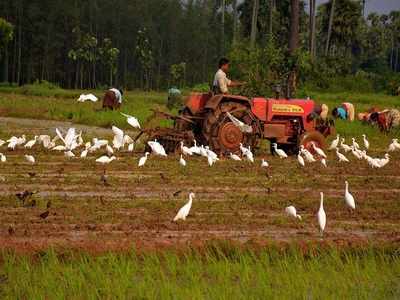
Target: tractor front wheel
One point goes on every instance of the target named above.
(308, 138)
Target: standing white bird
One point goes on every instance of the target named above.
(3, 158)
(185, 150)
(105, 159)
(118, 140)
(300, 159)
(264, 163)
(280, 152)
(84, 153)
(143, 159)
(355, 144)
(195, 149)
(157, 148)
(345, 147)
(131, 146)
(366, 142)
(234, 156)
(249, 155)
(394, 145)
(291, 211)
(356, 153)
(242, 126)
(31, 143)
(341, 157)
(318, 150)
(85, 97)
(2, 142)
(335, 143)
(184, 211)
(131, 120)
(69, 154)
(30, 159)
(307, 154)
(109, 150)
(182, 162)
(59, 148)
(348, 198)
(321, 215)
(323, 162)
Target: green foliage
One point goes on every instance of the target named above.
(219, 272)
(6, 34)
(178, 72)
(144, 54)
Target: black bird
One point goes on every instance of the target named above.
(103, 178)
(11, 230)
(176, 194)
(44, 215)
(31, 174)
(24, 195)
(48, 205)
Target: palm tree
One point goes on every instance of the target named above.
(253, 34)
(332, 12)
(312, 29)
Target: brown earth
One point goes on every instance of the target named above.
(234, 201)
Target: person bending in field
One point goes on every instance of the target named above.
(345, 112)
(320, 111)
(221, 81)
(113, 99)
(386, 119)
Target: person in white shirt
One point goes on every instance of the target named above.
(221, 82)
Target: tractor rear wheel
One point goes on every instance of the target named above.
(222, 135)
(313, 137)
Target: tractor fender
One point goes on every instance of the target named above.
(214, 102)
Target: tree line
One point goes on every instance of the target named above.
(154, 44)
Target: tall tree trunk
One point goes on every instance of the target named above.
(271, 16)
(312, 29)
(331, 15)
(235, 16)
(396, 62)
(253, 35)
(293, 45)
(19, 44)
(223, 27)
(5, 64)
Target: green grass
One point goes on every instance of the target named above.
(220, 272)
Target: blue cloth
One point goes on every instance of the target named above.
(342, 113)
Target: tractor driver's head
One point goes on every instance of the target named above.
(224, 64)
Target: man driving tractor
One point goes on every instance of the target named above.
(221, 81)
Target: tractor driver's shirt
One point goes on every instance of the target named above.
(117, 94)
(221, 82)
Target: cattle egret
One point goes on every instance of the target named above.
(356, 152)
(249, 155)
(131, 120)
(30, 159)
(157, 148)
(210, 161)
(334, 143)
(85, 97)
(69, 154)
(300, 159)
(143, 159)
(105, 159)
(234, 156)
(394, 145)
(323, 162)
(184, 211)
(355, 144)
(185, 150)
(109, 150)
(182, 162)
(341, 157)
(243, 149)
(118, 140)
(84, 153)
(348, 198)
(318, 150)
(31, 143)
(59, 148)
(291, 211)
(131, 147)
(211, 153)
(70, 138)
(321, 216)
(280, 152)
(3, 158)
(366, 142)
(2, 142)
(307, 154)
(242, 126)
(345, 147)
(264, 163)
(195, 149)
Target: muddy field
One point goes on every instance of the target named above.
(234, 201)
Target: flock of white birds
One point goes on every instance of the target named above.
(72, 141)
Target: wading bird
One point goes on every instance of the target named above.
(143, 159)
(280, 152)
(321, 215)
(131, 120)
(184, 211)
(30, 159)
(348, 198)
(291, 211)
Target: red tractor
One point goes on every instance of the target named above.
(289, 123)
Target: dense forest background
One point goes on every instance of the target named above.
(154, 44)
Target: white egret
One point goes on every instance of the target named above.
(280, 152)
(234, 157)
(2, 142)
(131, 146)
(69, 154)
(300, 159)
(291, 211)
(105, 159)
(131, 120)
(85, 97)
(366, 142)
(321, 216)
(341, 157)
(318, 150)
(394, 145)
(59, 148)
(30, 159)
(118, 140)
(184, 211)
(182, 162)
(195, 149)
(3, 158)
(335, 143)
(242, 126)
(345, 147)
(323, 162)
(185, 150)
(157, 148)
(348, 198)
(31, 143)
(264, 163)
(109, 150)
(143, 159)
(84, 153)
(355, 144)
(307, 154)
(355, 152)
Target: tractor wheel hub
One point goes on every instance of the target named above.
(230, 135)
